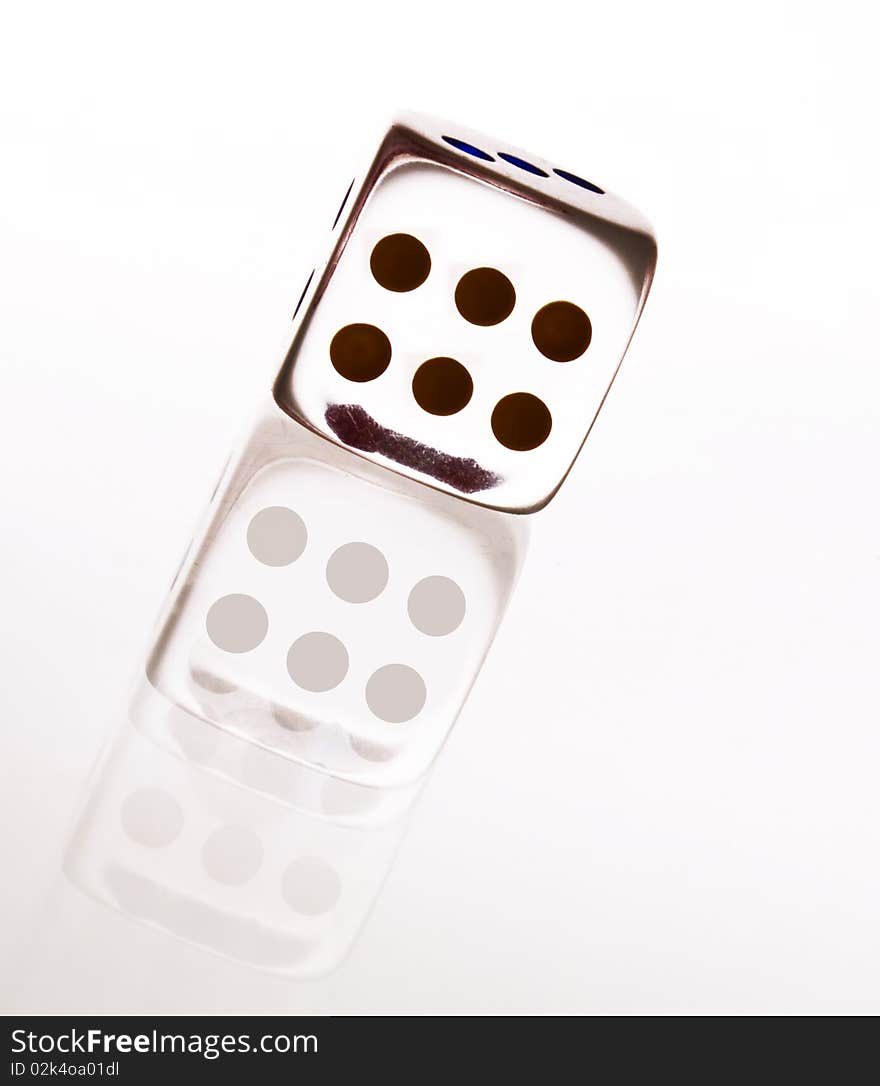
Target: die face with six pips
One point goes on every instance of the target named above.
(471, 316)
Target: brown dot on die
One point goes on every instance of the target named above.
(442, 386)
(521, 421)
(237, 623)
(317, 662)
(360, 352)
(485, 296)
(561, 331)
(370, 752)
(310, 886)
(400, 262)
(357, 572)
(277, 536)
(232, 855)
(436, 606)
(152, 817)
(396, 693)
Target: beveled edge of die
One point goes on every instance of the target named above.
(552, 191)
(412, 138)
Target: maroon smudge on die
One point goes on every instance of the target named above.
(357, 428)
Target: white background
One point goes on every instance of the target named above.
(662, 795)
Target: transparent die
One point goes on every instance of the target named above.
(221, 843)
(470, 318)
(333, 612)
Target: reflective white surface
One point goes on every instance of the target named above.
(661, 795)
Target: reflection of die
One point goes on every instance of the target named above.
(462, 333)
(259, 860)
(472, 314)
(332, 619)
(258, 751)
